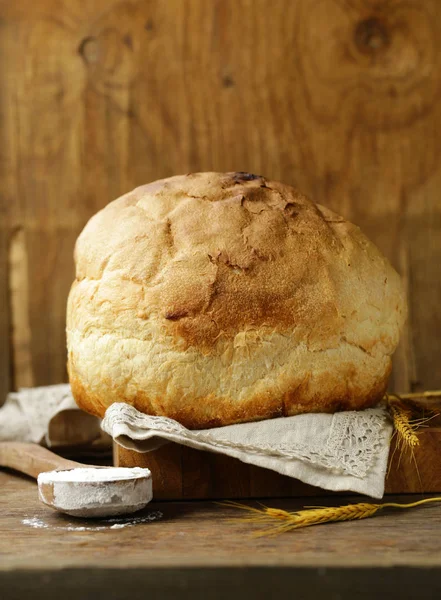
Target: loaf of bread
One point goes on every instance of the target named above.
(218, 298)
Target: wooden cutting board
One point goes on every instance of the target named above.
(183, 473)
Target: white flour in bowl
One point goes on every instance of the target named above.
(81, 474)
(96, 492)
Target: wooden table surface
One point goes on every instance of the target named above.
(192, 549)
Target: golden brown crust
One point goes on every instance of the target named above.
(219, 412)
(216, 298)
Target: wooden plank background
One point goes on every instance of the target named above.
(340, 97)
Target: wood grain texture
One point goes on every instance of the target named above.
(18, 270)
(180, 473)
(338, 98)
(7, 196)
(32, 459)
(196, 548)
(5, 358)
(164, 462)
(418, 471)
(192, 534)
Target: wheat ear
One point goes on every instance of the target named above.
(281, 520)
(404, 427)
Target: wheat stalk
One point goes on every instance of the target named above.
(405, 428)
(418, 395)
(314, 515)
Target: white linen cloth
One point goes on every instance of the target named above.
(346, 451)
(49, 416)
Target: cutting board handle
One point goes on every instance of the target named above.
(32, 459)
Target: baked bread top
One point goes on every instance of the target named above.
(216, 298)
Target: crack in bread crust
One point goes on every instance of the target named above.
(224, 297)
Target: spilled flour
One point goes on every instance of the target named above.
(35, 523)
(107, 524)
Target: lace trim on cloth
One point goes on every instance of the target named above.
(357, 437)
(353, 442)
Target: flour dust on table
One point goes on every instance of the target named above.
(105, 524)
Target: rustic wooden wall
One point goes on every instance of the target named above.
(341, 97)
